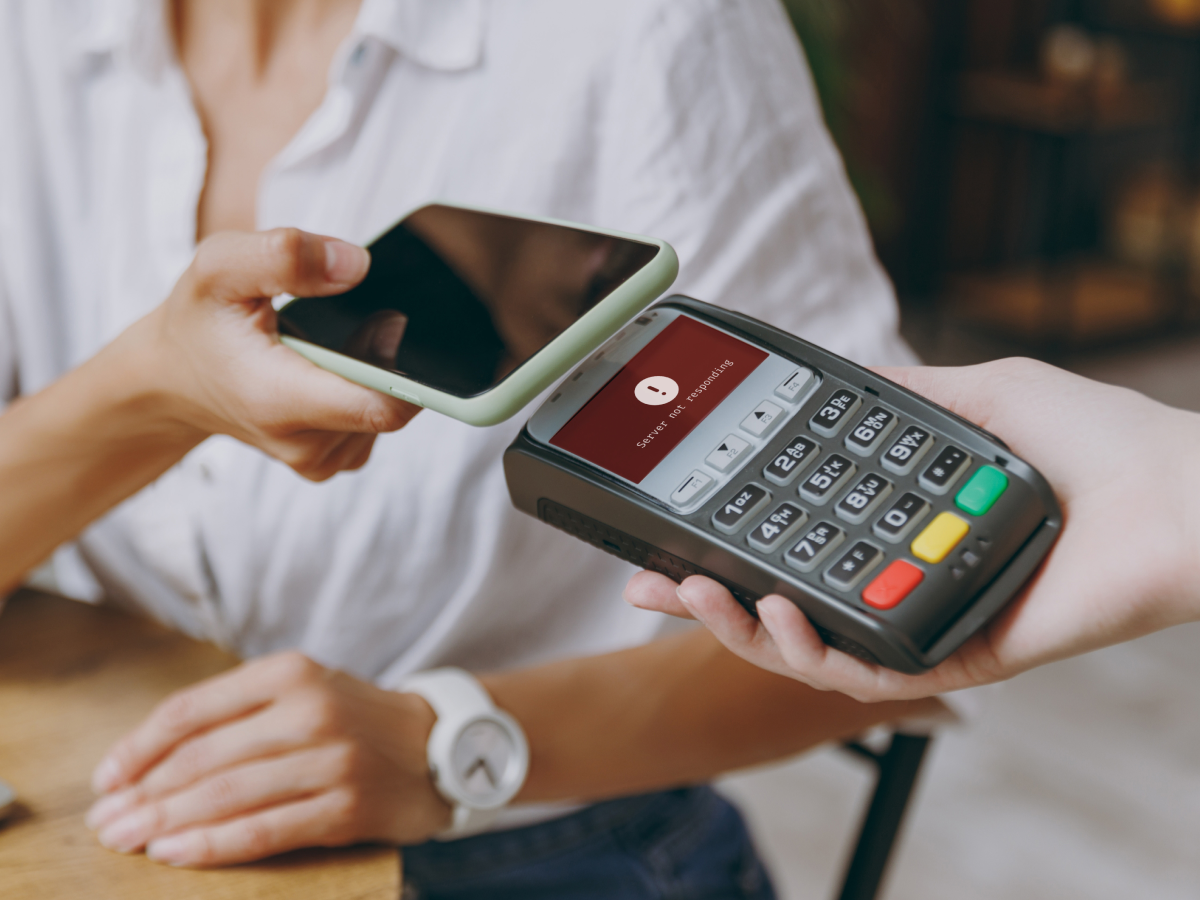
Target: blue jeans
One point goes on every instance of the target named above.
(689, 843)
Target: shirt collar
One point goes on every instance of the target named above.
(136, 29)
(445, 35)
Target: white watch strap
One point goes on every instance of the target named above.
(451, 692)
(456, 696)
(467, 820)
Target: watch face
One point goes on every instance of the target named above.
(482, 757)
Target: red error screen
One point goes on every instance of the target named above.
(653, 403)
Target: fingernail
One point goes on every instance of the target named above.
(345, 263)
(106, 776)
(170, 850)
(681, 592)
(108, 808)
(125, 834)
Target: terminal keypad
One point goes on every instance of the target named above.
(900, 502)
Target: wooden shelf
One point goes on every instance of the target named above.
(1030, 102)
(1138, 20)
(1087, 302)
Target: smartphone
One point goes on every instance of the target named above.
(473, 312)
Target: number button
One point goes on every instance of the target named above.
(837, 410)
(693, 486)
(776, 528)
(854, 564)
(764, 418)
(907, 450)
(793, 459)
(863, 498)
(740, 508)
(828, 479)
(871, 431)
(944, 470)
(794, 385)
(728, 452)
(814, 547)
(898, 521)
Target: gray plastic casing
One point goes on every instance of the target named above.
(613, 515)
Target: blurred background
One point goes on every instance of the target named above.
(1030, 170)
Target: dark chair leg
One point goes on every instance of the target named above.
(898, 768)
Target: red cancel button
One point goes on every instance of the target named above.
(892, 585)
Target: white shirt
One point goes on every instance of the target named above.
(691, 120)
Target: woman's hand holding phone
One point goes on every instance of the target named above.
(219, 367)
(208, 360)
(1123, 468)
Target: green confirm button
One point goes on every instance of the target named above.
(983, 490)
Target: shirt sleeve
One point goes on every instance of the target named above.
(714, 141)
(8, 349)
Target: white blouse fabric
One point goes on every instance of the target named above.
(691, 120)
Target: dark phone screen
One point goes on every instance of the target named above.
(458, 299)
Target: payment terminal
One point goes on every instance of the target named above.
(701, 441)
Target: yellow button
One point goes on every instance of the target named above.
(939, 537)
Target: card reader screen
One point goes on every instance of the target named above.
(656, 400)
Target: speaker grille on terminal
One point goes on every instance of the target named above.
(839, 642)
(630, 549)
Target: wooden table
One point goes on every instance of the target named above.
(73, 678)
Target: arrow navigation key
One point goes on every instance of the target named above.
(732, 450)
(763, 419)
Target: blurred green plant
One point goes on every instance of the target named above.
(821, 27)
(824, 27)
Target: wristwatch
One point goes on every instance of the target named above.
(478, 755)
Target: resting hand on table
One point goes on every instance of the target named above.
(1123, 468)
(277, 754)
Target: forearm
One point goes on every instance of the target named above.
(208, 360)
(676, 711)
(76, 449)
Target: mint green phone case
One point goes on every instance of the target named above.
(538, 372)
